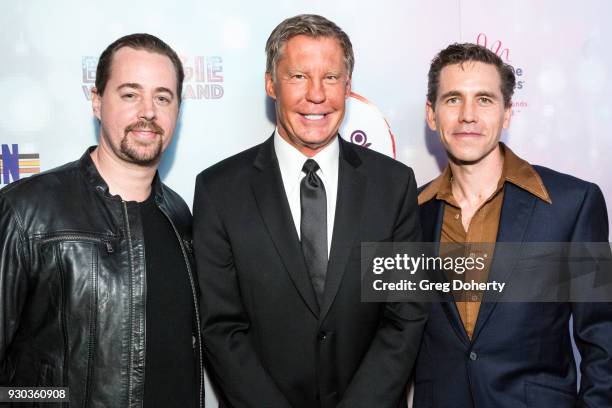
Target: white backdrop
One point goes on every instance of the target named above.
(562, 113)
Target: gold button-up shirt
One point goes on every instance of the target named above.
(484, 225)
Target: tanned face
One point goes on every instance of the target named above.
(310, 90)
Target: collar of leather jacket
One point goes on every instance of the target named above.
(91, 172)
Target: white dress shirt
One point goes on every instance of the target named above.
(291, 161)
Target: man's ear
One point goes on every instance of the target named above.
(348, 87)
(507, 116)
(96, 102)
(430, 115)
(270, 91)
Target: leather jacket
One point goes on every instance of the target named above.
(73, 285)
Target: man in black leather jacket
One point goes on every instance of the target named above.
(97, 291)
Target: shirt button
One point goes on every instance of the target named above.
(473, 356)
(456, 216)
(322, 336)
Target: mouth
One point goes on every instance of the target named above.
(314, 116)
(144, 134)
(467, 134)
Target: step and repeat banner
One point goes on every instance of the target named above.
(562, 109)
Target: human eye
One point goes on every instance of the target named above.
(485, 100)
(128, 96)
(453, 100)
(163, 99)
(332, 78)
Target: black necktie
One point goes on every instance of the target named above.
(313, 226)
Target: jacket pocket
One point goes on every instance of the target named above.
(75, 275)
(542, 396)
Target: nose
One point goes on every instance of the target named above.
(316, 91)
(147, 109)
(468, 112)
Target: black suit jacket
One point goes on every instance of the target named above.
(520, 354)
(268, 341)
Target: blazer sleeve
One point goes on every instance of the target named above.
(228, 347)
(382, 377)
(13, 285)
(593, 321)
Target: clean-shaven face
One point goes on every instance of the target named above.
(310, 90)
(469, 111)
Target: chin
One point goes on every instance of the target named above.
(467, 157)
(314, 139)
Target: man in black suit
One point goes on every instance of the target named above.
(277, 240)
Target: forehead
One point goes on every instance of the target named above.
(305, 50)
(469, 76)
(131, 65)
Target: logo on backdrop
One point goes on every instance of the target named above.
(203, 76)
(366, 126)
(518, 103)
(18, 161)
(88, 70)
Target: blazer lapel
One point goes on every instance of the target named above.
(272, 202)
(432, 216)
(515, 215)
(349, 203)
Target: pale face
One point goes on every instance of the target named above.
(310, 90)
(139, 108)
(469, 112)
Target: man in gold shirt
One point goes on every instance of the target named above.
(504, 354)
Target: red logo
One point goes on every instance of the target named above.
(495, 46)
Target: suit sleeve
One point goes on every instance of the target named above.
(13, 285)
(382, 377)
(235, 364)
(593, 321)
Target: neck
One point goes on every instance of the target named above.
(475, 182)
(129, 181)
(307, 149)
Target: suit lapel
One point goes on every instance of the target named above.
(349, 205)
(515, 215)
(432, 216)
(272, 202)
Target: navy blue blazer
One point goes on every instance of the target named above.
(521, 353)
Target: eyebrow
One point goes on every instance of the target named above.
(479, 93)
(138, 86)
(449, 94)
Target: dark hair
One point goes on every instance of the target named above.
(140, 41)
(458, 54)
(310, 25)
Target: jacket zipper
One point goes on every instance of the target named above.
(78, 237)
(131, 260)
(195, 304)
(92, 331)
(63, 322)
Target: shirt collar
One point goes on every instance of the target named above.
(291, 160)
(516, 171)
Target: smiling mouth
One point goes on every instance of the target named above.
(314, 116)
